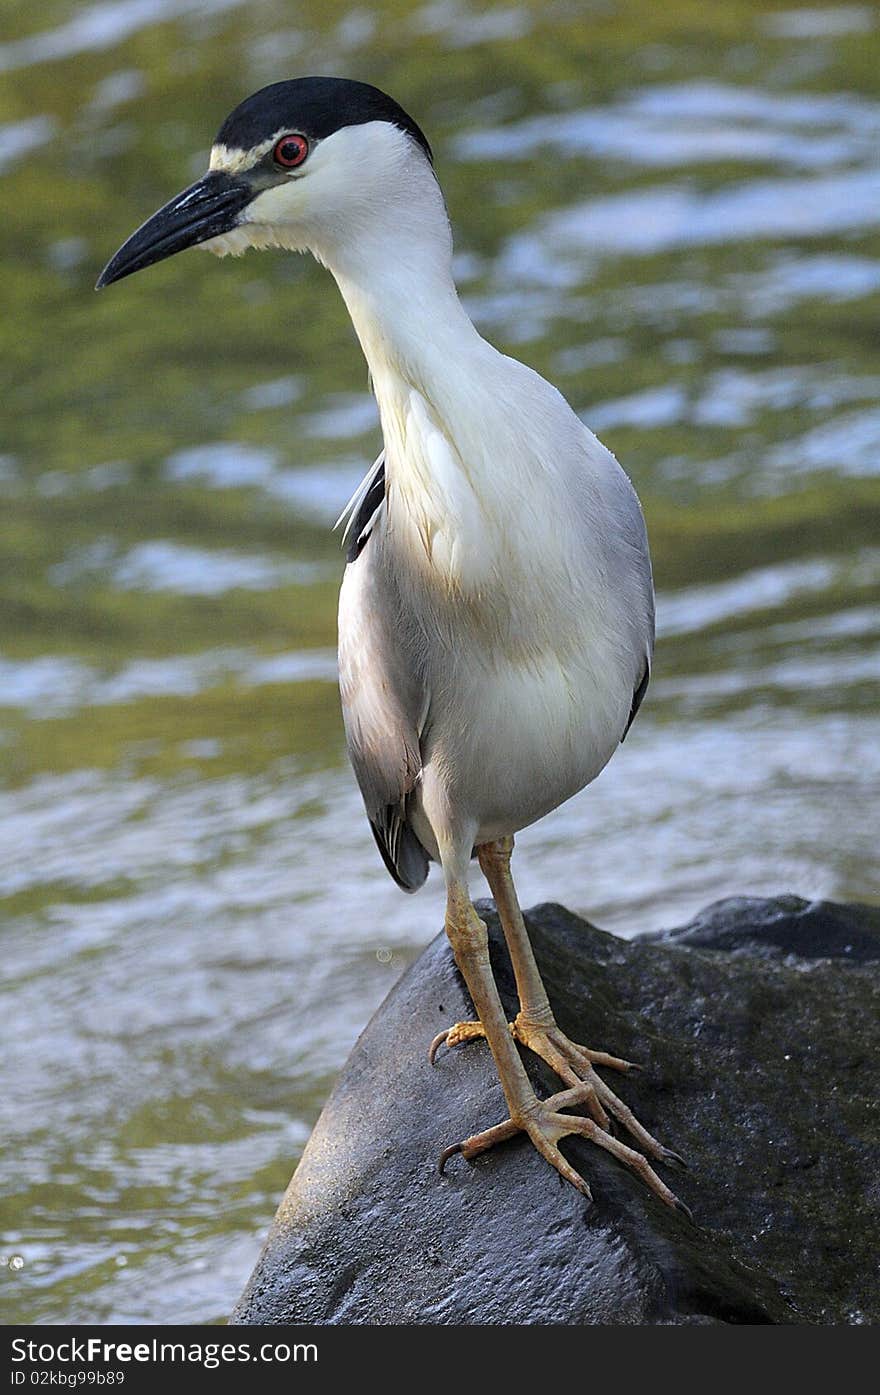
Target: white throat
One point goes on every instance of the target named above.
(395, 275)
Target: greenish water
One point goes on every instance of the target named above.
(673, 211)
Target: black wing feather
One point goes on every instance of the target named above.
(402, 853)
(638, 695)
(362, 524)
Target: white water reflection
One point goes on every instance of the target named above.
(849, 444)
(318, 491)
(665, 218)
(819, 23)
(816, 673)
(695, 608)
(164, 565)
(101, 26)
(223, 464)
(695, 123)
(462, 26)
(346, 414)
(790, 279)
(53, 686)
(19, 138)
(277, 392)
(737, 397)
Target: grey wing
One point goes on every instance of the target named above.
(381, 698)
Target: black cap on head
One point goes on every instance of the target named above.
(315, 106)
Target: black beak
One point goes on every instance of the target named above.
(206, 209)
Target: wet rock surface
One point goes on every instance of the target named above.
(759, 1032)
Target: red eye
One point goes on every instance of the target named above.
(290, 151)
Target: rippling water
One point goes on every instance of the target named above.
(672, 211)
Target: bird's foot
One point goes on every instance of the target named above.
(575, 1066)
(545, 1039)
(546, 1125)
(455, 1035)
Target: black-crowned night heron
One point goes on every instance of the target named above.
(496, 616)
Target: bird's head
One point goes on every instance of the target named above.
(305, 164)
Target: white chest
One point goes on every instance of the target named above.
(439, 518)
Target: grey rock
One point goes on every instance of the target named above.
(785, 925)
(758, 1030)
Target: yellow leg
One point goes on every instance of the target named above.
(541, 1120)
(470, 946)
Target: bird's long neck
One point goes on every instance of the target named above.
(434, 380)
(396, 280)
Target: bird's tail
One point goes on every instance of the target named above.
(402, 853)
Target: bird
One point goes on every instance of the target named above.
(496, 610)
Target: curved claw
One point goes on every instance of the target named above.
(438, 1041)
(448, 1153)
(454, 1036)
(670, 1156)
